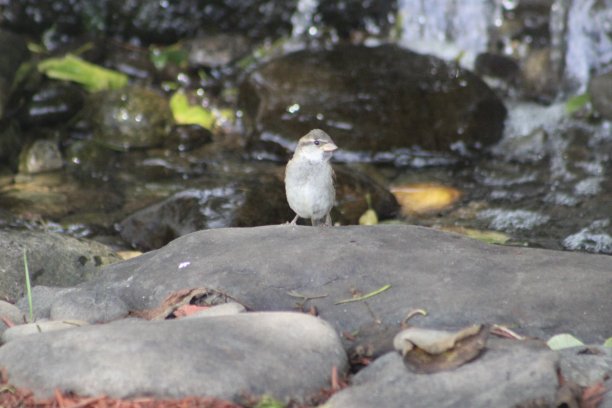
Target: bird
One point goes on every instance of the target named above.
(309, 178)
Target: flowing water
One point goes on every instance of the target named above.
(548, 182)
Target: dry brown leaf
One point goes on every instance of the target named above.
(593, 396)
(431, 341)
(180, 298)
(430, 353)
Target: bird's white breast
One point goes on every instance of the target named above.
(309, 187)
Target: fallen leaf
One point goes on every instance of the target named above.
(186, 114)
(369, 217)
(424, 198)
(92, 77)
(125, 255)
(503, 331)
(188, 310)
(176, 300)
(564, 340)
(490, 237)
(593, 396)
(576, 103)
(430, 351)
(431, 341)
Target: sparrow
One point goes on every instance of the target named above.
(309, 178)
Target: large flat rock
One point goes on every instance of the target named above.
(459, 281)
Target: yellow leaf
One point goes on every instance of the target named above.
(423, 198)
(490, 237)
(92, 77)
(186, 114)
(368, 218)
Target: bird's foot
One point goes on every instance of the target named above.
(294, 221)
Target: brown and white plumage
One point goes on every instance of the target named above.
(309, 178)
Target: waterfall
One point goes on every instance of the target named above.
(302, 18)
(580, 33)
(449, 28)
(588, 42)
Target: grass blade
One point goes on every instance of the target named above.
(28, 286)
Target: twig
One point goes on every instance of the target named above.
(296, 294)
(364, 297)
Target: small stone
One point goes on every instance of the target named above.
(88, 305)
(39, 157)
(600, 90)
(224, 309)
(10, 312)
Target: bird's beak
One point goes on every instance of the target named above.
(329, 147)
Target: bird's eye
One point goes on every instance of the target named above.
(317, 142)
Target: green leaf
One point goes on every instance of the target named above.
(269, 402)
(186, 114)
(490, 237)
(92, 77)
(28, 285)
(561, 341)
(173, 54)
(575, 103)
(608, 343)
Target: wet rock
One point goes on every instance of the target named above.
(352, 187)
(379, 104)
(287, 355)
(87, 158)
(39, 157)
(184, 212)
(539, 79)
(184, 138)
(597, 238)
(54, 103)
(65, 16)
(497, 66)
(43, 326)
(482, 383)
(165, 23)
(88, 306)
(11, 141)
(53, 259)
(247, 201)
(56, 194)
(349, 16)
(217, 50)
(13, 51)
(131, 117)
(600, 89)
(132, 61)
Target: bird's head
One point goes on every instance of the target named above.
(316, 145)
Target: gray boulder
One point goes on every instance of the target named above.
(53, 260)
(459, 281)
(287, 355)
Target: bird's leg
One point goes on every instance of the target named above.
(294, 222)
(328, 221)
